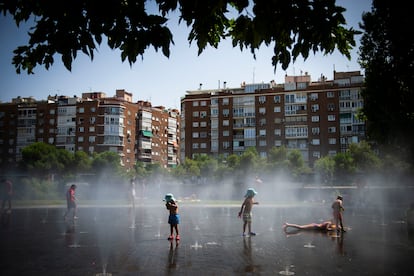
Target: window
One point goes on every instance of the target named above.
(331, 129)
(195, 135)
(332, 141)
(203, 103)
(80, 139)
(226, 133)
(278, 143)
(81, 129)
(331, 118)
(315, 118)
(92, 120)
(315, 142)
(315, 131)
(203, 114)
(203, 124)
(262, 132)
(278, 132)
(81, 110)
(316, 154)
(330, 94)
(195, 103)
(225, 101)
(203, 134)
(314, 96)
(226, 144)
(226, 123)
(262, 143)
(277, 99)
(276, 109)
(93, 109)
(226, 112)
(331, 106)
(195, 124)
(91, 139)
(203, 145)
(195, 114)
(262, 110)
(262, 99)
(91, 129)
(315, 107)
(195, 145)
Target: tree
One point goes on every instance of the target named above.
(293, 28)
(325, 167)
(387, 55)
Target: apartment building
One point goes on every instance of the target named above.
(316, 118)
(91, 123)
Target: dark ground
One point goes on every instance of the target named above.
(37, 241)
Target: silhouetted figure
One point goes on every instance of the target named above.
(246, 211)
(6, 193)
(338, 209)
(174, 217)
(71, 202)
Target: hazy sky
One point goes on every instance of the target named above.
(158, 79)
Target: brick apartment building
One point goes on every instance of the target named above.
(92, 123)
(316, 118)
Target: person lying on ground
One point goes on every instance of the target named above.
(324, 226)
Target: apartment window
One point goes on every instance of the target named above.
(91, 139)
(262, 143)
(276, 109)
(331, 118)
(226, 144)
(214, 101)
(203, 103)
(276, 99)
(195, 145)
(315, 131)
(195, 113)
(203, 124)
(262, 99)
(315, 118)
(332, 141)
(203, 134)
(93, 110)
(315, 107)
(226, 112)
(81, 129)
(81, 110)
(330, 94)
(195, 124)
(195, 103)
(331, 129)
(195, 134)
(52, 122)
(91, 129)
(316, 142)
(91, 149)
(80, 139)
(278, 143)
(262, 132)
(332, 152)
(203, 114)
(225, 101)
(331, 106)
(262, 121)
(226, 122)
(81, 120)
(314, 96)
(92, 120)
(316, 154)
(278, 132)
(203, 145)
(226, 133)
(52, 112)
(262, 110)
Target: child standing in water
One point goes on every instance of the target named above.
(174, 217)
(246, 210)
(338, 208)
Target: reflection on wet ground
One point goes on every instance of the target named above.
(122, 241)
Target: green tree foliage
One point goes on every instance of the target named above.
(364, 158)
(344, 166)
(387, 55)
(106, 162)
(43, 159)
(325, 168)
(64, 28)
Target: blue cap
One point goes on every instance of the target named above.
(169, 197)
(250, 192)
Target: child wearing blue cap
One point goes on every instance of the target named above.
(246, 210)
(174, 217)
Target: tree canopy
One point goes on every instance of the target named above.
(63, 28)
(387, 55)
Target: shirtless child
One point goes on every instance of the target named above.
(246, 210)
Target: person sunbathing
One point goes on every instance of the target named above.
(324, 226)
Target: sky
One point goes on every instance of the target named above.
(163, 81)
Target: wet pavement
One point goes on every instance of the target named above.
(123, 241)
